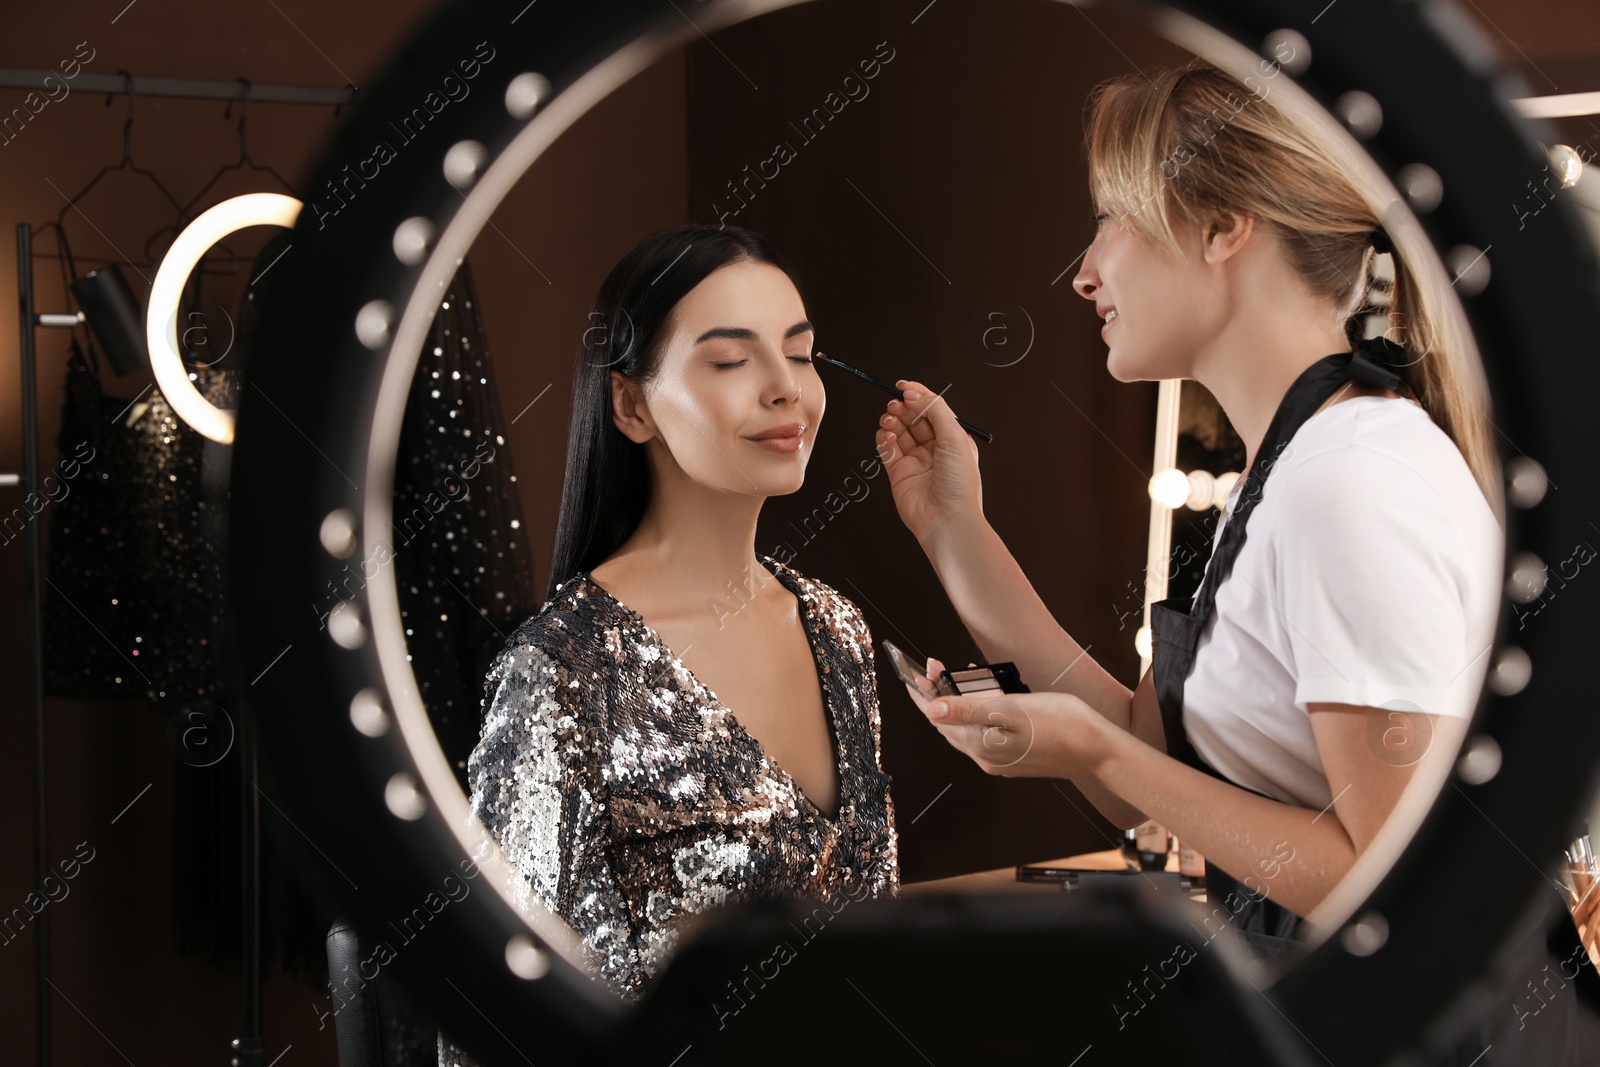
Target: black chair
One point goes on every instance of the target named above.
(375, 1021)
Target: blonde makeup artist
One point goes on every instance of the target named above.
(1369, 578)
(1363, 600)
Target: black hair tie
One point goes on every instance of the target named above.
(1378, 362)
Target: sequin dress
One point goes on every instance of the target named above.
(626, 796)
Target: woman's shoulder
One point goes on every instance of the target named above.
(567, 634)
(1381, 474)
(814, 586)
(833, 606)
(1370, 448)
(1396, 428)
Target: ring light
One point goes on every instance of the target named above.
(161, 320)
(354, 764)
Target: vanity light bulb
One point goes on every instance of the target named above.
(1202, 490)
(1170, 488)
(1224, 487)
(1141, 641)
(1567, 164)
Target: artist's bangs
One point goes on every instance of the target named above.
(1124, 148)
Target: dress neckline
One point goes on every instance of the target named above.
(807, 621)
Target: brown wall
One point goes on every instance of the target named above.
(953, 190)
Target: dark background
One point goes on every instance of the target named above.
(953, 193)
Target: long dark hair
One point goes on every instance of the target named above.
(607, 483)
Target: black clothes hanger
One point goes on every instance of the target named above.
(192, 295)
(244, 161)
(126, 164)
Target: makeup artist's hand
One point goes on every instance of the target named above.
(1021, 735)
(1586, 912)
(932, 462)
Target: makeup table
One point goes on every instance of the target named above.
(1004, 879)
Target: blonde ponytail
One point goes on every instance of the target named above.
(1171, 146)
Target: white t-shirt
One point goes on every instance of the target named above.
(1370, 575)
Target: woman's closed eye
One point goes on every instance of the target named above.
(740, 362)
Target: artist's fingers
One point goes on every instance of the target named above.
(1589, 930)
(887, 445)
(994, 750)
(908, 417)
(949, 711)
(928, 414)
(1588, 908)
(904, 439)
(983, 711)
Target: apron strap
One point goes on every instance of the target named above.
(1177, 624)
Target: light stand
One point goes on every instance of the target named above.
(250, 1047)
(28, 319)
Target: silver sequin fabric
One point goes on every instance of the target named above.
(626, 797)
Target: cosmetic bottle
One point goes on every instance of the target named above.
(1128, 845)
(1191, 865)
(1151, 840)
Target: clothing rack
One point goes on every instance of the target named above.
(184, 88)
(248, 1049)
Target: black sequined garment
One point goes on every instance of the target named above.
(134, 598)
(462, 565)
(626, 796)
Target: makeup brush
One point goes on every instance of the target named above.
(892, 391)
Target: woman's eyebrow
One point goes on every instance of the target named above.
(740, 333)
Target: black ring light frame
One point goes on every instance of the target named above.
(351, 757)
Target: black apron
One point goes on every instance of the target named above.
(1568, 1031)
(1177, 623)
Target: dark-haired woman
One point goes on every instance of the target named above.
(686, 722)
